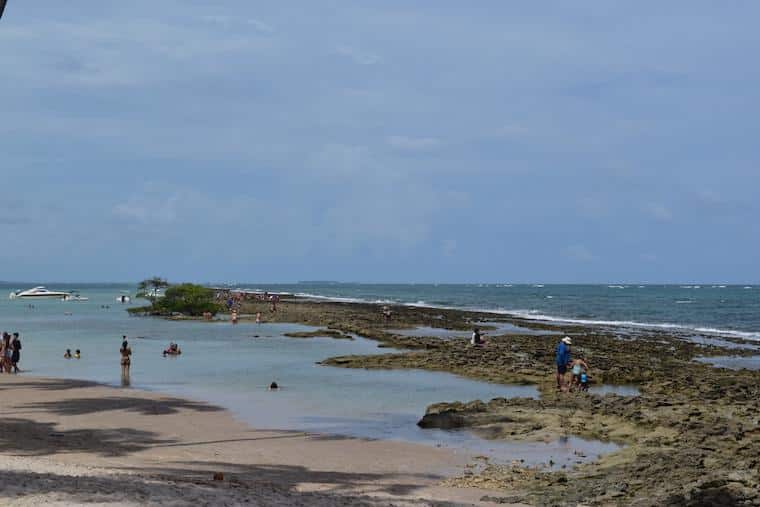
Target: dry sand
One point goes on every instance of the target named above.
(65, 442)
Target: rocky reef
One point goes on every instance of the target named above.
(691, 437)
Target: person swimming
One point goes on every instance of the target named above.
(273, 386)
(172, 350)
(77, 354)
(67, 355)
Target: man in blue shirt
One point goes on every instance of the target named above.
(562, 360)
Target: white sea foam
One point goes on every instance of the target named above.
(535, 315)
(538, 316)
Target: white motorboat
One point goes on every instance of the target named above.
(39, 293)
(75, 297)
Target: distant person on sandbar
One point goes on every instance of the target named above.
(67, 355)
(477, 339)
(274, 298)
(126, 358)
(387, 314)
(562, 358)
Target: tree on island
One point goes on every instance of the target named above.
(184, 299)
(149, 289)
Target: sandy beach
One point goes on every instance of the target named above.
(65, 442)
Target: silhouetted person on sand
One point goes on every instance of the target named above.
(16, 355)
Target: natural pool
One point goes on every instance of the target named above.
(733, 362)
(232, 365)
(501, 328)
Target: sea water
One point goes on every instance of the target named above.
(231, 365)
(731, 310)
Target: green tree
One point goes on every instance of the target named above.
(187, 299)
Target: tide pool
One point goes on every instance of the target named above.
(232, 365)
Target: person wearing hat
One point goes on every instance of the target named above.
(562, 359)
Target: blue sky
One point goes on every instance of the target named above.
(380, 141)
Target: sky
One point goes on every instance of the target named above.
(393, 141)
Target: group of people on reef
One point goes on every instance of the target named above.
(10, 352)
(579, 369)
(233, 300)
(68, 355)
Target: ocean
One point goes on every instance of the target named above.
(730, 310)
(231, 366)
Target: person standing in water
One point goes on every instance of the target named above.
(126, 359)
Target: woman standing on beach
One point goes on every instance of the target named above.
(16, 355)
(7, 353)
(126, 359)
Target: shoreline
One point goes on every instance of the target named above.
(751, 337)
(61, 433)
(530, 316)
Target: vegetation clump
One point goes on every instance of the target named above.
(184, 299)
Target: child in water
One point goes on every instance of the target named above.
(580, 367)
(584, 382)
(67, 355)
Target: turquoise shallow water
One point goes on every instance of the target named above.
(232, 365)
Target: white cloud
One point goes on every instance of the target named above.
(231, 21)
(357, 56)
(404, 143)
(579, 253)
(659, 212)
(340, 160)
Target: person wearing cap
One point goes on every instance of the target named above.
(563, 359)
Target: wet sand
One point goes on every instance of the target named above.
(69, 442)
